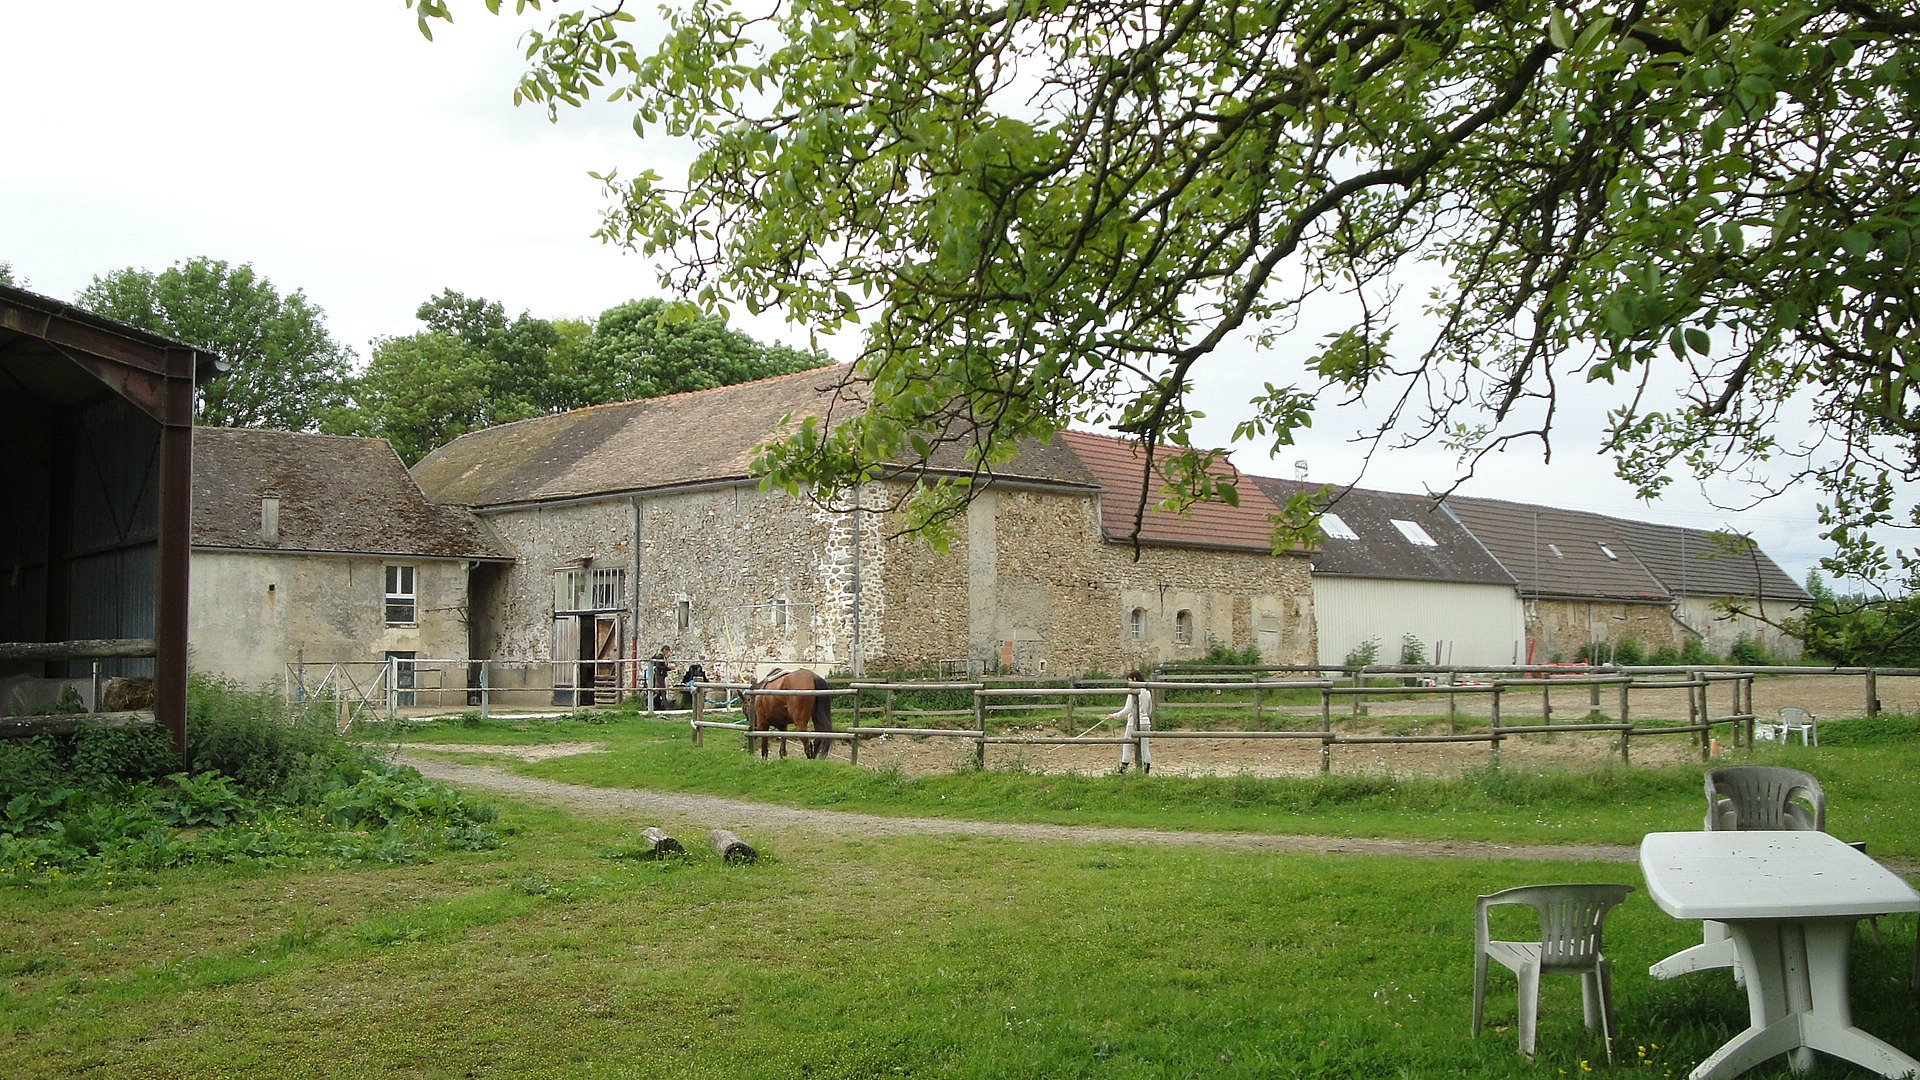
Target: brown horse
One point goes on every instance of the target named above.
(769, 711)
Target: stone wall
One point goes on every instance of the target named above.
(1722, 631)
(517, 607)
(752, 579)
(1029, 585)
(251, 614)
(1559, 629)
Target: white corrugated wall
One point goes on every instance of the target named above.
(1455, 623)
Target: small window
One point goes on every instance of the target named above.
(402, 602)
(779, 613)
(1183, 628)
(1608, 552)
(683, 616)
(1336, 529)
(1413, 532)
(582, 589)
(1137, 623)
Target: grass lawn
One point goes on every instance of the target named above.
(561, 954)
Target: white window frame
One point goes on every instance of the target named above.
(1414, 533)
(402, 595)
(1336, 527)
(1183, 627)
(1137, 623)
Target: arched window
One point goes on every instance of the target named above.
(1137, 623)
(1183, 628)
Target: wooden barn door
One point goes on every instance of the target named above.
(606, 656)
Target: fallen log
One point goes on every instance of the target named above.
(659, 844)
(732, 848)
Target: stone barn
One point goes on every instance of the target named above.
(320, 550)
(638, 525)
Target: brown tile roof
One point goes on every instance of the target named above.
(1690, 563)
(1380, 549)
(697, 437)
(337, 495)
(1118, 466)
(1559, 553)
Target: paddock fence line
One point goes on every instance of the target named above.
(991, 705)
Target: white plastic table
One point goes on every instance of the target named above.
(1789, 901)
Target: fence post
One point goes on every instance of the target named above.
(486, 705)
(1256, 701)
(1493, 744)
(1873, 697)
(886, 709)
(1326, 731)
(980, 722)
(853, 744)
(1359, 683)
(699, 714)
(1546, 700)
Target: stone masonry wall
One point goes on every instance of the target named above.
(1030, 585)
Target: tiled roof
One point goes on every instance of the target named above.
(1119, 467)
(1690, 563)
(337, 495)
(673, 441)
(1378, 548)
(1559, 553)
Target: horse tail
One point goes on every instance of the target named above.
(822, 717)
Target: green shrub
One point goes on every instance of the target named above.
(1747, 651)
(1363, 654)
(1412, 651)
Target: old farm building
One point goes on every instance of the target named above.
(321, 548)
(638, 525)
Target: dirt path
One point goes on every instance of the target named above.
(712, 811)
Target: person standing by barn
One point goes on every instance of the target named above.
(657, 680)
(1137, 714)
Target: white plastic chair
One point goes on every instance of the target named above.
(1570, 919)
(1750, 798)
(1747, 798)
(1794, 718)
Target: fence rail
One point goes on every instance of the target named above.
(1701, 722)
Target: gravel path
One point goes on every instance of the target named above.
(654, 807)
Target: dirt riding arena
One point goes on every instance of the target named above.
(1829, 697)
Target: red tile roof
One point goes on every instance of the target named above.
(1119, 466)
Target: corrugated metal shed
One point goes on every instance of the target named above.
(1119, 467)
(333, 494)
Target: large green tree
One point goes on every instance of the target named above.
(283, 368)
(1050, 210)
(647, 348)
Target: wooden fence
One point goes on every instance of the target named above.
(986, 724)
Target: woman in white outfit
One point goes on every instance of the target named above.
(1138, 715)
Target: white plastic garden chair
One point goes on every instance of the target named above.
(1747, 798)
(1794, 718)
(1570, 919)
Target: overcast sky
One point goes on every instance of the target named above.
(341, 154)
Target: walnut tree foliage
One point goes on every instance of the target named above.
(1051, 211)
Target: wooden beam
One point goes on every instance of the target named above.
(21, 727)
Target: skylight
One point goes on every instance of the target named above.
(1337, 529)
(1413, 532)
(1608, 552)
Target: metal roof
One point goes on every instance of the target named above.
(336, 495)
